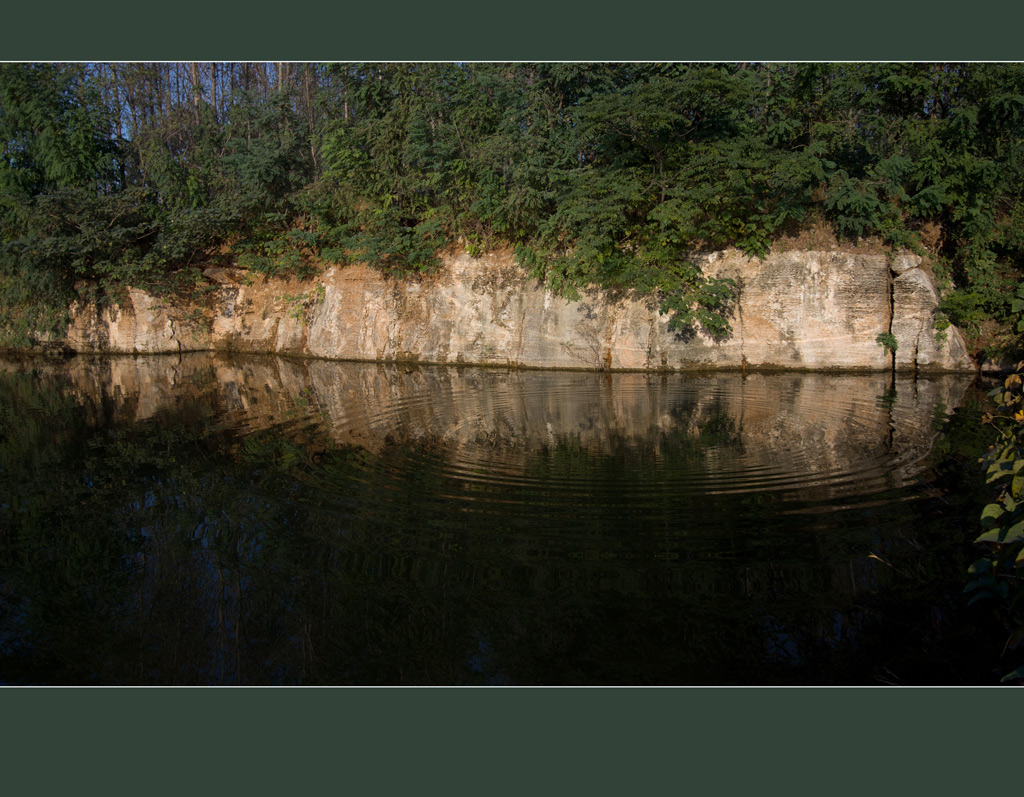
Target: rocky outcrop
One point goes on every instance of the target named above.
(795, 310)
(915, 300)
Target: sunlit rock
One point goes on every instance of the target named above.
(794, 310)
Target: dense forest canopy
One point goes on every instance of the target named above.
(608, 174)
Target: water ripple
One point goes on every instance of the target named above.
(630, 446)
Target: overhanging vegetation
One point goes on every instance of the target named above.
(608, 174)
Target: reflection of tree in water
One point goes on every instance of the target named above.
(180, 550)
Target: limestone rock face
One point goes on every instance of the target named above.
(827, 309)
(920, 345)
(800, 310)
(142, 324)
(808, 309)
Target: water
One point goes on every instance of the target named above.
(205, 520)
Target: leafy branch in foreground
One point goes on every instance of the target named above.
(996, 576)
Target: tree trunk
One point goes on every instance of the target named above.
(213, 89)
(196, 87)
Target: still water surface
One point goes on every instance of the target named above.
(205, 520)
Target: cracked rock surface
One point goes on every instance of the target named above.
(806, 310)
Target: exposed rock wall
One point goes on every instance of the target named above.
(803, 310)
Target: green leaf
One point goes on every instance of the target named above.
(1004, 536)
(1013, 676)
(979, 596)
(991, 513)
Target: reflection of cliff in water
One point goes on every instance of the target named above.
(207, 520)
(751, 432)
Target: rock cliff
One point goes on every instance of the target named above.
(799, 310)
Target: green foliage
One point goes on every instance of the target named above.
(614, 175)
(964, 308)
(301, 306)
(888, 342)
(995, 577)
(49, 130)
(1017, 307)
